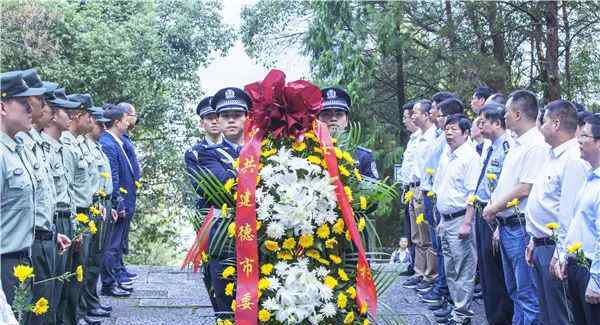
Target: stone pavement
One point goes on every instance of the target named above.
(166, 296)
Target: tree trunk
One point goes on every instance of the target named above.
(400, 83)
(567, 27)
(451, 32)
(552, 50)
(498, 46)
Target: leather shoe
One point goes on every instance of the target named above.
(98, 312)
(126, 288)
(114, 292)
(105, 307)
(91, 321)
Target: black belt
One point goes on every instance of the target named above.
(62, 206)
(414, 184)
(514, 220)
(448, 217)
(43, 234)
(545, 241)
(82, 210)
(18, 254)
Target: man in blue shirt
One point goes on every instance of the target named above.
(582, 268)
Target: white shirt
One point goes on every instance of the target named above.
(552, 197)
(425, 145)
(523, 164)
(409, 159)
(457, 178)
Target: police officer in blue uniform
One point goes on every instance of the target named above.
(231, 105)
(334, 113)
(209, 122)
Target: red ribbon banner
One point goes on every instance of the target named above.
(246, 247)
(365, 287)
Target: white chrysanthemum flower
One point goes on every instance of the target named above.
(270, 304)
(328, 310)
(275, 230)
(322, 272)
(281, 267)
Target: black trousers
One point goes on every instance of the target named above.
(583, 312)
(63, 263)
(43, 257)
(9, 281)
(497, 302)
(89, 297)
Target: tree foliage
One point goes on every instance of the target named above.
(388, 52)
(143, 52)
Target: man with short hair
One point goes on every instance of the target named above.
(407, 171)
(232, 105)
(114, 281)
(56, 156)
(509, 199)
(455, 183)
(582, 267)
(17, 183)
(497, 302)
(425, 260)
(497, 98)
(481, 94)
(335, 114)
(552, 200)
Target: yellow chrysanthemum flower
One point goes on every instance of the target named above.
(420, 219)
(362, 202)
(236, 163)
(82, 218)
(268, 153)
(552, 226)
(349, 318)
(93, 228)
(513, 203)
(289, 243)
(573, 248)
(233, 305)
(138, 185)
(318, 150)
(306, 241)
(102, 193)
(94, 211)
(352, 292)
(266, 269)
(79, 273)
(204, 257)
(491, 176)
(229, 289)
(338, 227)
(231, 229)
(362, 223)
(272, 246)
(264, 315)
(343, 275)
(258, 225)
(228, 271)
(335, 259)
(408, 196)
(299, 146)
(342, 300)
(348, 237)
(330, 281)
(263, 283)
(123, 190)
(430, 194)
(314, 159)
(313, 253)
(224, 209)
(330, 243)
(229, 184)
(343, 171)
(429, 171)
(348, 157)
(323, 231)
(365, 321)
(286, 256)
(348, 193)
(472, 199)
(23, 272)
(41, 307)
(357, 174)
(105, 175)
(338, 153)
